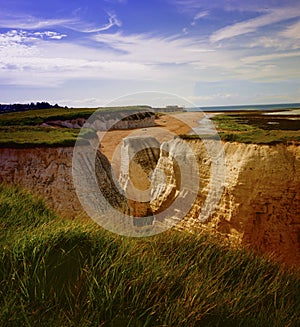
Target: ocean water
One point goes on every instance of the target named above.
(262, 107)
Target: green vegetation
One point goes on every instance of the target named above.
(22, 129)
(36, 117)
(30, 136)
(257, 128)
(64, 273)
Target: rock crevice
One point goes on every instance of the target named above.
(260, 202)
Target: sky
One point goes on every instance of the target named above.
(211, 52)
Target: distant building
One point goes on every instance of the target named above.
(171, 108)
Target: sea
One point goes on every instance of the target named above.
(259, 107)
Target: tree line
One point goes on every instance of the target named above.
(26, 106)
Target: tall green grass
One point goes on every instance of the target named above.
(64, 273)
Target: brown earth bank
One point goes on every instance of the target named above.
(259, 206)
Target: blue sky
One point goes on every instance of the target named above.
(87, 53)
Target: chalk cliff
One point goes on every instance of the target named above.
(139, 158)
(259, 205)
(260, 202)
(45, 171)
(103, 121)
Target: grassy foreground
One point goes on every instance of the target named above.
(62, 273)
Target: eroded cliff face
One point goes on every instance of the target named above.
(139, 156)
(260, 202)
(259, 205)
(45, 171)
(103, 121)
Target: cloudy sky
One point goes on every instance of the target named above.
(212, 52)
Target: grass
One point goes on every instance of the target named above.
(36, 117)
(33, 136)
(23, 130)
(64, 273)
(257, 128)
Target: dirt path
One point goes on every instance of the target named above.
(167, 126)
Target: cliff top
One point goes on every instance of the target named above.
(255, 127)
(23, 129)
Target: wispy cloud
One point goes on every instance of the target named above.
(270, 57)
(201, 14)
(270, 17)
(26, 54)
(292, 32)
(76, 23)
(198, 16)
(32, 23)
(125, 57)
(169, 50)
(193, 6)
(102, 52)
(112, 21)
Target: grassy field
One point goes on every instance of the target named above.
(257, 128)
(253, 127)
(31, 136)
(64, 273)
(21, 129)
(36, 117)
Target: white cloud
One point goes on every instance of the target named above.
(168, 63)
(23, 56)
(201, 14)
(179, 60)
(154, 50)
(270, 17)
(48, 34)
(32, 23)
(198, 16)
(112, 21)
(19, 36)
(270, 57)
(192, 6)
(76, 24)
(292, 32)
